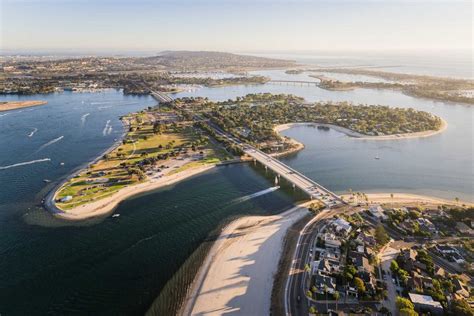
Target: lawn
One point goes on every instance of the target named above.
(111, 173)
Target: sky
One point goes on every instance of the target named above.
(235, 25)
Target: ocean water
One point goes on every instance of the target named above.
(121, 265)
(455, 64)
(109, 265)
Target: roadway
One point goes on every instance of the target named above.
(307, 185)
(160, 96)
(313, 189)
(295, 82)
(296, 302)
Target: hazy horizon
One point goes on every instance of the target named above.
(239, 25)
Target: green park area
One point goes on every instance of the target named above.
(154, 139)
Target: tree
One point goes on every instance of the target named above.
(408, 312)
(312, 310)
(157, 128)
(394, 266)
(336, 297)
(404, 303)
(403, 275)
(359, 284)
(381, 235)
(461, 308)
(326, 292)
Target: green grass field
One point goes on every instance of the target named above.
(110, 174)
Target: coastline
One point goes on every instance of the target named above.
(409, 198)
(108, 204)
(241, 265)
(15, 105)
(230, 267)
(356, 135)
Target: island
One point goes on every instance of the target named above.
(181, 138)
(258, 118)
(13, 105)
(158, 149)
(430, 87)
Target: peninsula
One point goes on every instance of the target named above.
(436, 88)
(181, 138)
(13, 105)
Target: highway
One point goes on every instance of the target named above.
(295, 82)
(295, 299)
(307, 185)
(160, 96)
(296, 302)
(313, 189)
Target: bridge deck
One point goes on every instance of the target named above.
(160, 96)
(316, 83)
(307, 185)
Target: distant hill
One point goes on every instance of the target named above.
(198, 60)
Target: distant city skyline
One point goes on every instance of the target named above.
(231, 25)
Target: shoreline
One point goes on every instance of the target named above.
(244, 237)
(359, 136)
(408, 198)
(48, 202)
(106, 206)
(15, 105)
(230, 267)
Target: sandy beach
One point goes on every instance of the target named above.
(237, 275)
(108, 204)
(356, 135)
(13, 105)
(409, 199)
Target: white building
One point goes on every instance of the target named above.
(378, 212)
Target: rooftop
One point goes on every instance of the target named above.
(424, 300)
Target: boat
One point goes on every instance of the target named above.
(377, 157)
(46, 180)
(116, 215)
(62, 163)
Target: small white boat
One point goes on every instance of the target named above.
(62, 164)
(377, 157)
(46, 180)
(116, 215)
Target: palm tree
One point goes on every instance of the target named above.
(457, 200)
(326, 291)
(336, 297)
(391, 196)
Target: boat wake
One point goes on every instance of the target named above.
(33, 132)
(256, 194)
(50, 143)
(107, 129)
(104, 107)
(24, 163)
(83, 118)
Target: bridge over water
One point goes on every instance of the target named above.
(160, 96)
(307, 185)
(295, 82)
